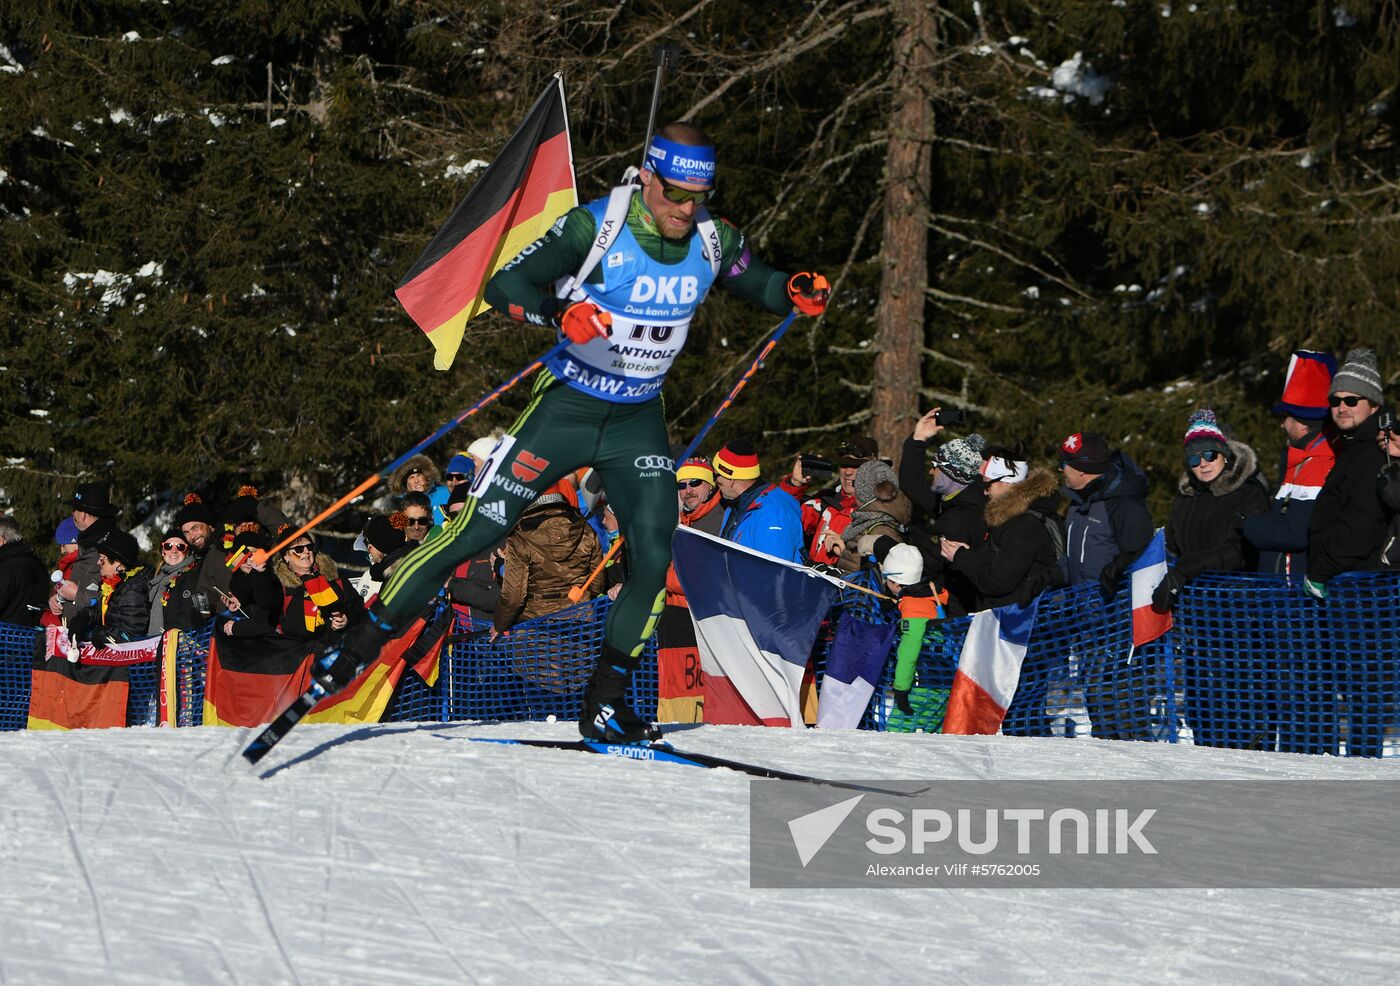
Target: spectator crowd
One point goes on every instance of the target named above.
(948, 527)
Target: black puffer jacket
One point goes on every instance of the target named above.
(1018, 558)
(1347, 531)
(1203, 530)
(24, 584)
(128, 613)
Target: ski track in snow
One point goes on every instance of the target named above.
(403, 854)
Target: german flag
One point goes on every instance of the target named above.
(90, 693)
(66, 695)
(526, 188)
(366, 698)
(250, 680)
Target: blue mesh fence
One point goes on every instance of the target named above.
(539, 669)
(1252, 663)
(16, 659)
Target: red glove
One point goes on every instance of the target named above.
(584, 321)
(809, 292)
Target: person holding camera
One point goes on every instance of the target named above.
(825, 516)
(951, 495)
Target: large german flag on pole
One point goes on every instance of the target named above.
(527, 187)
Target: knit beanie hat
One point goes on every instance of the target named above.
(903, 564)
(696, 467)
(961, 459)
(482, 447)
(383, 532)
(737, 460)
(1359, 376)
(1305, 388)
(1204, 433)
(1087, 452)
(875, 481)
(67, 532)
(194, 510)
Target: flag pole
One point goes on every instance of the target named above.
(261, 556)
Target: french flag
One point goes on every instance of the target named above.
(858, 655)
(1147, 574)
(756, 619)
(989, 669)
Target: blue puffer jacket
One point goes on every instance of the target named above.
(1107, 519)
(766, 519)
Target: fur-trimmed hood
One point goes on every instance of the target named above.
(420, 461)
(291, 580)
(1242, 465)
(1040, 489)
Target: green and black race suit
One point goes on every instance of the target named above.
(568, 426)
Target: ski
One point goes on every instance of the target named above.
(277, 730)
(663, 752)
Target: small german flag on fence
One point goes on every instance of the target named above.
(527, 187)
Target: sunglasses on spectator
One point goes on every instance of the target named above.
(175, 546)
(1196, 458)
(456, 477)
(299, 549)
(418, 522)
(678, 195)
(1351, 400)
(688, 484)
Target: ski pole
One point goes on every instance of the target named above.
(261, 556)
(664, 57)
(695, 442)
(753, 368)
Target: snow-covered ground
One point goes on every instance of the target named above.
(404, 854)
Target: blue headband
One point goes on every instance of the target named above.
(681, 162)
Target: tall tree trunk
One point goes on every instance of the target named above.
(899, 316)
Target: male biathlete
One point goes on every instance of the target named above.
(598, 402)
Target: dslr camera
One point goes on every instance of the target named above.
(816, 467)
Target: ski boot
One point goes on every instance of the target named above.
(340, 663)
(606, 717)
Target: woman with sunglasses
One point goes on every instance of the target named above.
(625, 311)
(1225, 698)
(315, 600)
(172, 588)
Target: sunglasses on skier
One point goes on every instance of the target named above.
(1196, 458)
(678, 195)
(1350, 400)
